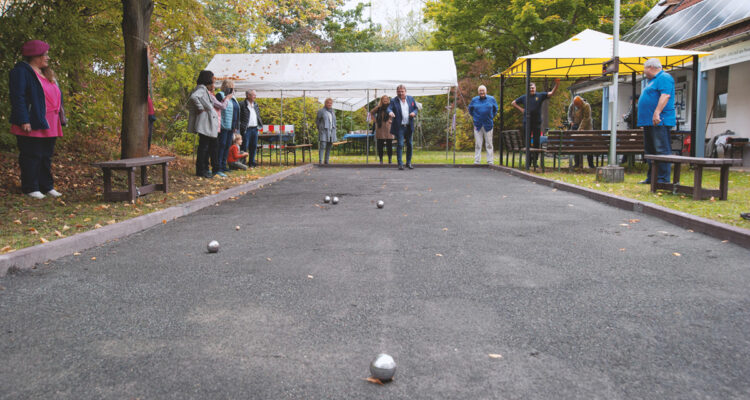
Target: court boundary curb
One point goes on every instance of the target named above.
(28, 257)
(721, 231)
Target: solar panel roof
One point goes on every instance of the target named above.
(685, 24)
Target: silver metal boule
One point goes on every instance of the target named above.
(327, 199)
(383, 367)
(380, 204)
(335, 200)
(213, 246)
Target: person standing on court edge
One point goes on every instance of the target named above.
(36, 103)
(657, 116)
(250, 122)
(535, 112)
(326, 123)
(482, 110)
(403, 109)
(204, 122)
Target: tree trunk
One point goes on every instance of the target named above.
(136, 23)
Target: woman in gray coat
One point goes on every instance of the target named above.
(326, 123)
(204, 121)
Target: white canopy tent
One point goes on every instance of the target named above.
(351, 79)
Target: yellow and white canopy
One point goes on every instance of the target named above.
(583, 55)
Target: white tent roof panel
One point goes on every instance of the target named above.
(338, 75)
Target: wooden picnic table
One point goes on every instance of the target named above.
(697, 190)
(130, 165)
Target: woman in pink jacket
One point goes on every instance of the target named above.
(36, 103)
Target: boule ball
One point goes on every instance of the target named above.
(213, 246)
(383, 367)
(327, 199)
(335, 200)
(380, 204)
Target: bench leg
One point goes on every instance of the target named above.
(165, 177)
(698, 182)
(676, 176)
(107, 183)
(131, 185)
(724, 182)
(654, 174)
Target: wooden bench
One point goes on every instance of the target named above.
(339, 145)
(130, 165)
(573, 143)
(697, 190)
(293, 149)
(512, 144)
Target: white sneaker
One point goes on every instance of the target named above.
(35, 195)
(54, 193)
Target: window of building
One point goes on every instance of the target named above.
(721, 88)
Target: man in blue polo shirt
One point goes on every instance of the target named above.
(656, 114)
(482, 110)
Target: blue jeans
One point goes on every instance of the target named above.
(657, 141)
(250, 143)
(223, 143)
(404, 135)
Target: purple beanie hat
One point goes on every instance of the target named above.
(34, 48)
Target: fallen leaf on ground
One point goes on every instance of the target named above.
(59, 234)
(438, 255)
(97, 226)
(93, 258)
(33, 231)
(236, 228)
(624, 225)
(632, 221)
(445, 229)
(6, 249)
(310, 276)
(164, 221)
(495, 355)
(43, 240)
(374, 380)
(111, 222)
(724, 241)
(65, 228)
(676, 254)
(268, 258)
(18, 222)
(622, 249)
(86, 219)
(76, 254)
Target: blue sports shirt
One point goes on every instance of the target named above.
(482, 111)
(662, 83)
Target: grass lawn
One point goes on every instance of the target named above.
(25, 221)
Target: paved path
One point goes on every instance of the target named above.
(459, 264)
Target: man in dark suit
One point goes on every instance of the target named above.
(250, 122)
(403, 110)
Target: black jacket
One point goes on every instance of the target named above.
(245, 115)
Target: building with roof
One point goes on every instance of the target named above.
(721, 27)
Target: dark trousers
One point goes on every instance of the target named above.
(151, 120)
(250, 143)
(383, 143)
(223, 141)
(404, 136)
(656, 140)
(536, 133)
(35, 161)
(206, 150)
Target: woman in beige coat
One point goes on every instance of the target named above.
(382, 122)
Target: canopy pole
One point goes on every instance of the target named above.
(453, 125)
(304, 116)
(633, 113)
(367, 131)
(526, 114)
(281, 128)
(615, 84)
(502, 121)
(694, 107)
(447, 121)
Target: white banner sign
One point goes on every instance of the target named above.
(729, 55)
